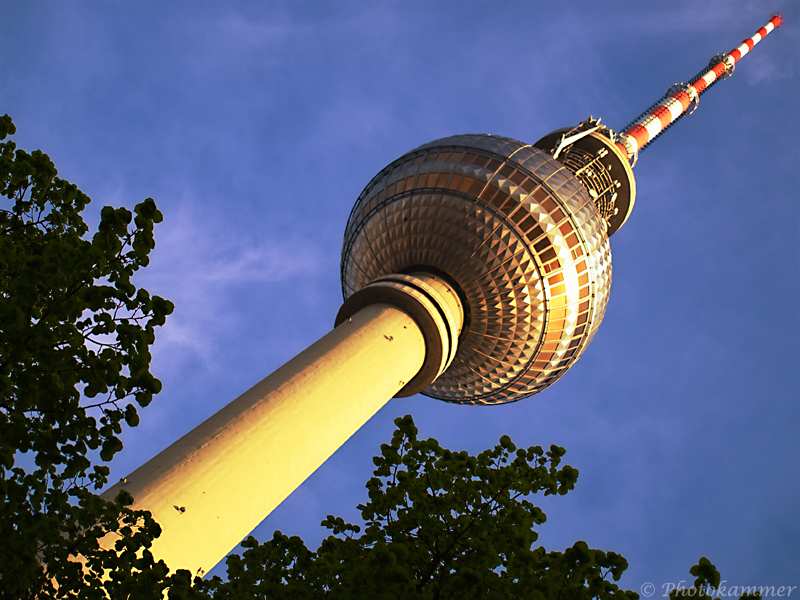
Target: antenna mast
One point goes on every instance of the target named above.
(682, 98)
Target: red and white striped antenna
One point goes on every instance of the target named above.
(682, 98)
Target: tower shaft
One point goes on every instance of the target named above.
(213, 486)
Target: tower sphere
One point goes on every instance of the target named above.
(519, 237)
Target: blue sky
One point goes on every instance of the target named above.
(256, 125)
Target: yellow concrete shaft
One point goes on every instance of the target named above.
(212, 487)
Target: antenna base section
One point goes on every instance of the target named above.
(590, 151)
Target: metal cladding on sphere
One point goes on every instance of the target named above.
(515, 233)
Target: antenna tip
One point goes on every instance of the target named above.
(778, 17)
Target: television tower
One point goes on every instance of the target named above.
(475, 269)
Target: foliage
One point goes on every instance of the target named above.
(75, 334)
(707, 580)
(438, 524)
(707, 585)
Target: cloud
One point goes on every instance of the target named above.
(247, 32)
(203, 261)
